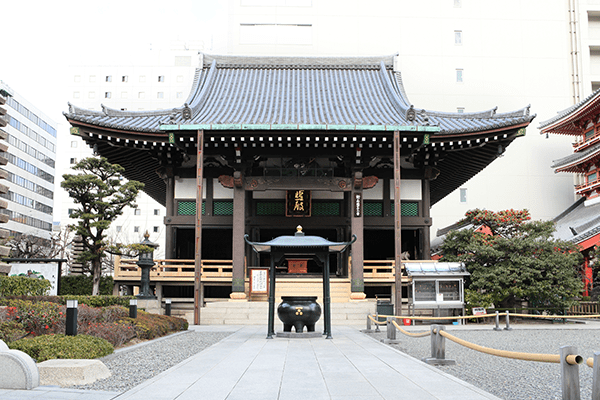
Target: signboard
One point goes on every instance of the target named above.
(259, 281)
(298, 203)
(357, 204)
(42, 270)
(479, 311)
(297, 266)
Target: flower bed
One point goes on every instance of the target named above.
(21, 321)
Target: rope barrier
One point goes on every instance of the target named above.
(550, 358)
(554, 316)
(413, 334)
(375, 321)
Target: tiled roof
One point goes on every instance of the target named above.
(297, 93)
(561, 122)
(570, 162)
(579, 222)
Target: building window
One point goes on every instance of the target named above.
(70, 211)
(73, 161)
(458, 38)
(119, 227)
(592, 177)
(160, 95)
(463, 195)
(141, 95)
(77, 78)
(161, 78)
(137, 211)
(92, 95)
(180, 95)
(156, 211)
(136, 229)
(142, 78)
(179, 78)
(75, 95)
(155, 229)
(123, 95)
(460, 110)
(459, 75)
(124, 78)
(74, 144)
(457, 3)
(92, 78)
(108, 78)
(107, 95)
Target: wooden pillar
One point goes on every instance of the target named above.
(238, 287)
(170, 206)
(426, 218)
(357, 226)
(397, 225)
(198, 288)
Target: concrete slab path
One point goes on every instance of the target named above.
(248, 366)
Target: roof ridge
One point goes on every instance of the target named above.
(304, 62)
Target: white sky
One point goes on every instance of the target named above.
(41, 38)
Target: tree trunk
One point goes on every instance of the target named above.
(96, 274)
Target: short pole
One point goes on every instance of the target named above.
(369, 322)
(438, 347)
(391, 329)
(497, 327)
(168, 307)
(596, 374)
(133, 308)
(569, 374)
(377, 319)
(507, 327)
(71, 325)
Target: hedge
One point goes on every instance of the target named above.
(82, 285)
(46, 347)
(23, 286)
(92, 301)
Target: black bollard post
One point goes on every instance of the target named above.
(133, 308)
(168, 307)
(71, 326)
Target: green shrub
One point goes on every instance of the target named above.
(92, 301)
(81, 285)
(11, 331)
(150, 326)
(23, 286)
(48, 347)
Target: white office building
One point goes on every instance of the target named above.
(31, 138)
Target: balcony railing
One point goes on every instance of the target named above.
(584, 187)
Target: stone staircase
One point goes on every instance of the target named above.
(235, 312)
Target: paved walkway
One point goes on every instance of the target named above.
(248, 366)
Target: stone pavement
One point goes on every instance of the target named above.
(248, 366)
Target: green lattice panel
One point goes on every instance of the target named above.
(410, 209)
(187, 208)
(223, 207)
(373, 209)
(270, 208)
(326, 208)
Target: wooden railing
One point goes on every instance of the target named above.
(379, 269)
(585, 308)
(174, 269)
(223, 269)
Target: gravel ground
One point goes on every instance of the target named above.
(129, 368)
(506, 378)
